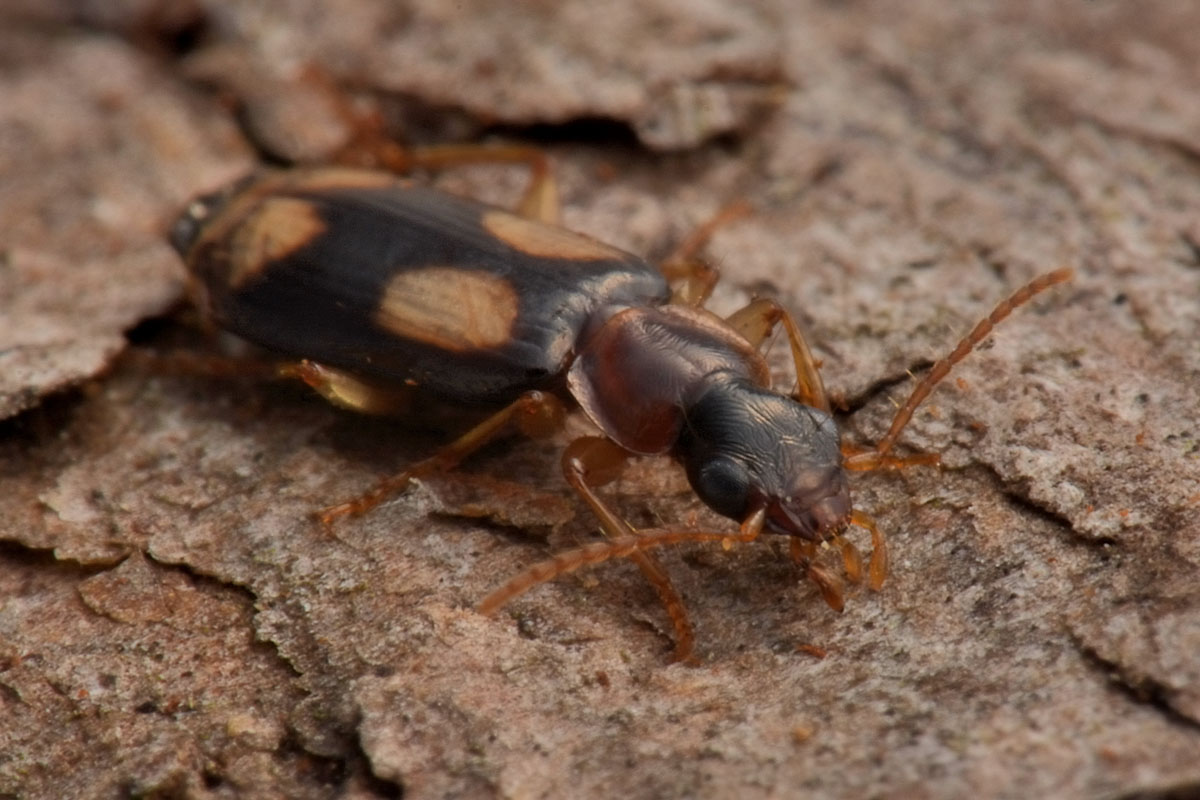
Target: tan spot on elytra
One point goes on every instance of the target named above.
(450, 308)
(274, 230)
(546, 241)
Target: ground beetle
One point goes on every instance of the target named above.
(382, 289)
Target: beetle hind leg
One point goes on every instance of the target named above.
(534, 413)
(348, 391)
(540, 200)
(203, 365)
(371, 145)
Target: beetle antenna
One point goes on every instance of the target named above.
(968, 343)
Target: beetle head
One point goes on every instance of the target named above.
(746, 447)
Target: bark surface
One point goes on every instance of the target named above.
(173, 620)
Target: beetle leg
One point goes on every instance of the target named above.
(348, 391)
(622, 547)
(695, 278)
(540, 200)
(757, 320)
(534, 413)
(340, 388)
(592, 461)
(372, 145)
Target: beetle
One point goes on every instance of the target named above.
(380, 289)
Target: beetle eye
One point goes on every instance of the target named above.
(724, 485)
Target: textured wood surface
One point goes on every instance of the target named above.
(172, 619)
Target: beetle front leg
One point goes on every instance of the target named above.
(624, 547)
(757, 320)
(592, 461)
(534, 413)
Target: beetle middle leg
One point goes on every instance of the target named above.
(695, 278)
(534, 413)
(592, 461)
